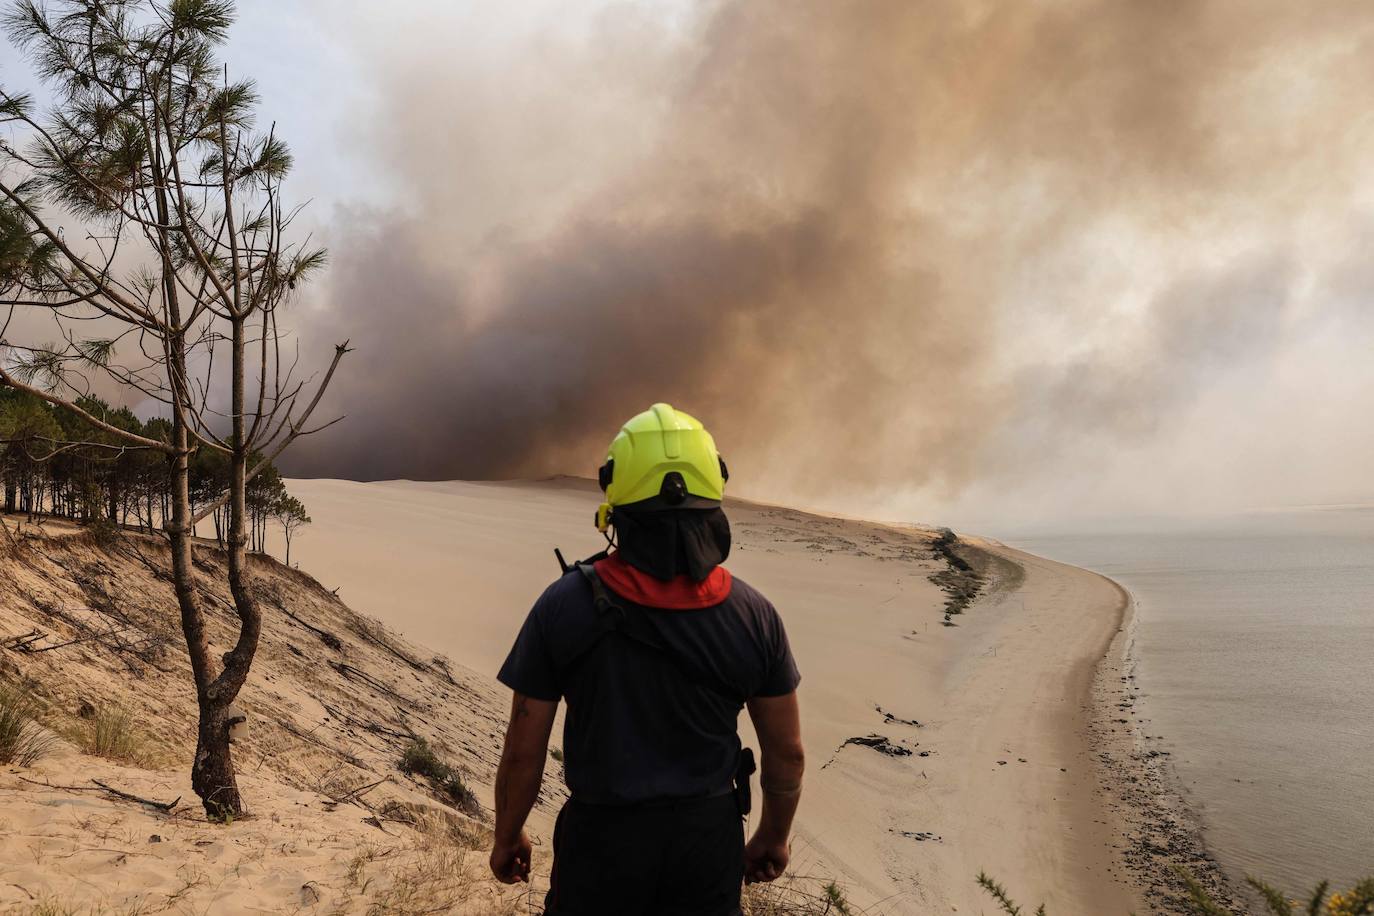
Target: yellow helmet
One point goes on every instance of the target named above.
(661, 452)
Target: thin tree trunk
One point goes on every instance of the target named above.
(214, 735)
(212, 771)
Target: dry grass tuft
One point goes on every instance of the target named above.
(53, 907)
(436, 877)
(432, 882)
(438, 872)
(22, 740)
(443, 826)
(796, 896)
(110, 733)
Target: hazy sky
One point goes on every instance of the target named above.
(940, 260)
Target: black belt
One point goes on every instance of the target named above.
(739, 789)
(653, 803)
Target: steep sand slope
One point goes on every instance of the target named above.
(334, 827)
(456, 565)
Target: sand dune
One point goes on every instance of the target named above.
(977, 743)
(333, 825)
(1000, 772)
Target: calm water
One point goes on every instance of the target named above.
(1255, 652)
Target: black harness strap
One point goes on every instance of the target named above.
(614, 617)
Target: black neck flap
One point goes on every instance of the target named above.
(666, 543)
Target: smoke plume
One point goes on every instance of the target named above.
(874, 245)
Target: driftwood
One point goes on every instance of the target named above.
(164, 807)
(353, 796)
(360, 791)
(440, 664)
(362, 628)
(52, 785)
(356, 674)
(326, 637)
(126, 796)
(879, 743)
(294, 729)
(157, 571)
(24, 641)
(375, 728)
(145, 650)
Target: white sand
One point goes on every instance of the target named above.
(82, 852)
(455, 566)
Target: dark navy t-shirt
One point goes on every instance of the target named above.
(639, 726)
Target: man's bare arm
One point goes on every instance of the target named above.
(517, 784)
(777, 721)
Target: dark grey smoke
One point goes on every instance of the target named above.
(828, 237)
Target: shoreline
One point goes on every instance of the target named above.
(1044, 829)
(1158, 831)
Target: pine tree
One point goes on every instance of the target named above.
(185, 260)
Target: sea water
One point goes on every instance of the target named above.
(1254, 649)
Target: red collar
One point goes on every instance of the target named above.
(679, 594)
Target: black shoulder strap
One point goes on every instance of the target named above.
(606, 607)
(612, 616)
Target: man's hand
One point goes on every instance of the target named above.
(510, 862)
(765, 859)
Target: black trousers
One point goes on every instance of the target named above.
(681, 859)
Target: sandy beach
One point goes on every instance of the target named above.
(989, 760)
(967, 708)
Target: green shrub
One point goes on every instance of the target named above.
(22, 740)
(835, 898)
(419, 759)
(103, 531)
(999, 893)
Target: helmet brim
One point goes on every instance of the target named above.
(661, 504)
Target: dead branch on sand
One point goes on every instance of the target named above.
(164, 807)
